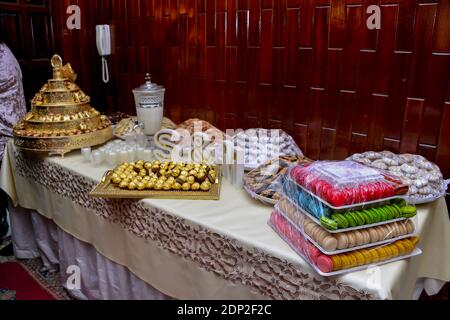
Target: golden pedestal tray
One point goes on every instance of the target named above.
(61, 117)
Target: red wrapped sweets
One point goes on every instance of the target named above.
(342, 183)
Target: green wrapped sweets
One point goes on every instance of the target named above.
(367, 217)
(409, 211)
(328, 223)
(351, 221)
(362, 220)
(341, 221)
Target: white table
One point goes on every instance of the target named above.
(208, 249)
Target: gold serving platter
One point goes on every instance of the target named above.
(61, 118)
(106, 189)
(63, 145)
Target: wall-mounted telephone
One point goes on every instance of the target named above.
(104, 48)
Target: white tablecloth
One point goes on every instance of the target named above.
(100, 278)
(207, 249)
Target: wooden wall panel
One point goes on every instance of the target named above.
(28, 28)
(310, 67)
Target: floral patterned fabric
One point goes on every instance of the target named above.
(12, 100)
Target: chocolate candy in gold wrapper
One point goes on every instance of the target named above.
(195, 186)
(182, 179)
(149, 185)
(116, 180)
(171, 180)
(167, 186)
(176, 173)
(191, 180)
(132, 186)
(141, 186)
(205, 186)
(201, 176)
(176, 186)
(124, 185)
(186, 186)
(148, 166)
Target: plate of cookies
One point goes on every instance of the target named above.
(265, 182)
(262, 145)
(424, 178)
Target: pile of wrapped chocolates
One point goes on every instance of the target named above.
(165, 176)
(343, 216)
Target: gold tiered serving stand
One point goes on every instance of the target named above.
(61, 118)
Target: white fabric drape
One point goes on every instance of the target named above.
(101, 279)
(34, 236)
(205, 249)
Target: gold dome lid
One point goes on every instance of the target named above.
(61, 90)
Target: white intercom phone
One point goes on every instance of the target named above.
(104, 48)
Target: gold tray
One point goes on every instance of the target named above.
(105, 189)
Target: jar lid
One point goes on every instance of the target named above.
(148, 86)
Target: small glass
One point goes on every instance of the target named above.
(112, 158)
(97, 158)
(123, 156)
(148, 155)
(86, 153)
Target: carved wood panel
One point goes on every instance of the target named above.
(312, 68)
